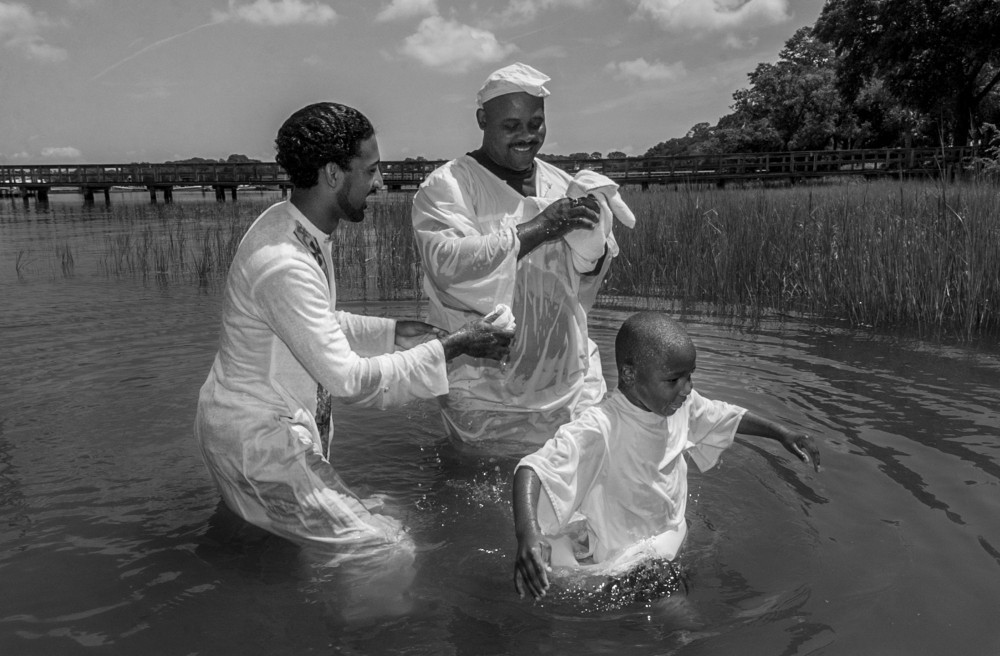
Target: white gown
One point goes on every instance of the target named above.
(281, 335)
(464, 221)
(616, 478)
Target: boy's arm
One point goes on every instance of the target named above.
(798, 444)
(533, 552)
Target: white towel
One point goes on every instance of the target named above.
(501, 317)
(588, 245)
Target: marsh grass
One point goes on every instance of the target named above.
(174, 242)
(377, 259)
(885, 255)
(914, 256)
(196, 243)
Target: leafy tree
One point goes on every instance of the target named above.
(792, 104)
(938, 56)
(882, 122)
(699, 140)
(616, 154)
(740, 133)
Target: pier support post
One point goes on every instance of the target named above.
(220, 194)
(152, 194)
(107, 195)
(232, 192)
(88, 195)
(168, 194)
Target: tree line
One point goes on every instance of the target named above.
(868, 74)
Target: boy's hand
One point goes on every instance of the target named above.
(802, 447)
(532, 565)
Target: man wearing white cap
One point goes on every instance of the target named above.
(489, 232)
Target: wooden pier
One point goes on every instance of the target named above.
(227, 178)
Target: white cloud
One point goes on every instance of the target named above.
(526, 10)
(737, 43)
(63, 152)
(400, 9)
(553, 51)
(20, 29)
(272, 13)
(452, 46)
(712, 15)
(640, 69)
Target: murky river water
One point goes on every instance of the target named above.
(111, 541)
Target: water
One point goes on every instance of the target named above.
(111, 541)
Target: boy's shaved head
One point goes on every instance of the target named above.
(648, 337)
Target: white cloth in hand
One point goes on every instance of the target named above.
(588, 245)
(501, 317)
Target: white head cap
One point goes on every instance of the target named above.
(515, 78)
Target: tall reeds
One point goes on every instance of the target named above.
(373, 260)
(911, 255)
(175, 242)
(921, 256)
(377, 260)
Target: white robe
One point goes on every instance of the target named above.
(622, 471)
(281, 335)
(464, 221)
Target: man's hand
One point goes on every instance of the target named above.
(562, 216)
(532, 565)
(479, 339)
(413, 333)
(566, 215)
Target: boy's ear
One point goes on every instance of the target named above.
(626, 376)
(481, 118)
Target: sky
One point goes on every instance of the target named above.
(120, 81)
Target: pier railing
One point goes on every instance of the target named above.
(699, 169)
(140, 175)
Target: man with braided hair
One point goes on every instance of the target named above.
(284, 345)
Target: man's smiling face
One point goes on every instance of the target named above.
(513, 128)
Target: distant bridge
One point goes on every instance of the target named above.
(225, 178)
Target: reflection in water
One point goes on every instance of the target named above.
(111, 536)
(362, 587)
(354, 583)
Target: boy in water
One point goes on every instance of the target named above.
(620, 464)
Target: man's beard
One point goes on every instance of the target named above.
(353, 214)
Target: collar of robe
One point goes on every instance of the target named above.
(523, 182)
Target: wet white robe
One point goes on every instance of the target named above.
(464, 221)
(621, 470)
(281, 335)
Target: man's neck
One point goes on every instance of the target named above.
(309, 204)
(523, 182)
